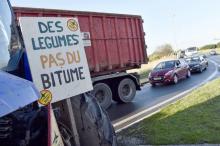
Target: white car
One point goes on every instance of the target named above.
(213, 52)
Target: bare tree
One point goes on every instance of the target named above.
(164, 50)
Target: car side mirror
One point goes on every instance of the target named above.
(178, 66)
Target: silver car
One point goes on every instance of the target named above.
(213, 52)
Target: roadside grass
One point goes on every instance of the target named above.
(144, 73)
(146, 68)
(195, 119)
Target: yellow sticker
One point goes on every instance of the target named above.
(46, 97)
(72, 25)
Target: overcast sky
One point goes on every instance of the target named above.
(181, 23)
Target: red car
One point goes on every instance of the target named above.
(169, 72)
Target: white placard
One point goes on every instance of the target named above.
(56, 56)
(86, 39)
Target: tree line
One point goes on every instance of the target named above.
(161, 51)
(167, 49)
(210, 46)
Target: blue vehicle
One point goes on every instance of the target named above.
(19, 112)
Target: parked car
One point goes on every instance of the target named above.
(169, 72)
(197, 63)
(213, 52)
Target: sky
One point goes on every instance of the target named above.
(181, 23)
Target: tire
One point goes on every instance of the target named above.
(66, 134)
(188, 75)
(153, 84)
(126, 91)
(175, 79)
(93, 124)
(200, 70)
(206, 66)
(103, 94)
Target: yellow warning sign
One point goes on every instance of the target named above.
(46, 97)
(72, 25)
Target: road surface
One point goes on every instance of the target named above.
(123, 115)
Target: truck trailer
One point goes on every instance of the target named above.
(115, 43)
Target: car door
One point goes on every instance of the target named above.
(185, 67)
(203, 63)
(179, 69)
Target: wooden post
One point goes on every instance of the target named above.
(72, 122)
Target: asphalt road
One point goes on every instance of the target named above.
(216, 58)
(150, 96)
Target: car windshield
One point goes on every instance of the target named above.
(165, 65)
(192, 60)
(191, 49)
(9, 41)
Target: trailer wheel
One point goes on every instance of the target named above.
(126, 90)
(103, 94)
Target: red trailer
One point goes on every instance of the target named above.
(117, 45)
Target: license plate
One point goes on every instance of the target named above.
(157, 78)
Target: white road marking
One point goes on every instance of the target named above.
(160, 104)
